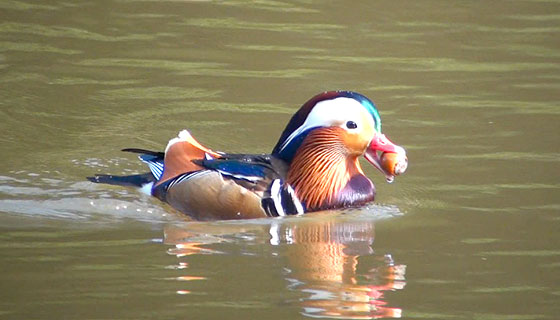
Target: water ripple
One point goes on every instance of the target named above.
(160, 93)
(509, 156)
(232, 23)
(198, 68)
(34, 47)
(20, 5)
(423, 64)
(71, 32)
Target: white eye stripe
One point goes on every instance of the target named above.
(334, 112)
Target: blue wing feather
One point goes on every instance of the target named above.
(252, 168)
(155, 163)
(237, 169)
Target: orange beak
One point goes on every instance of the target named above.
(387, 157)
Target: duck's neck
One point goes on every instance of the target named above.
(325, 176)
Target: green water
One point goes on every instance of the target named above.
(470, 89)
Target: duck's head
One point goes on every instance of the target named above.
(350, 119)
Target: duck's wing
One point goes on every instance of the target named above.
(253, 171)
(264, 174)
(233, 186)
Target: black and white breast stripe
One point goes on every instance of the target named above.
(280, 200)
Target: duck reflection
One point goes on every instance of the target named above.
(323, 262)
(329, 260)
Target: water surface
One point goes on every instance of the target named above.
(471, 89)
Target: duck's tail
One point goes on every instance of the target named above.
(177, 159)
(135, 180)
(154, 160)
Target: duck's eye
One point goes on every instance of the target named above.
(351, 125)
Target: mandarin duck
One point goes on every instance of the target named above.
(314, 166)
